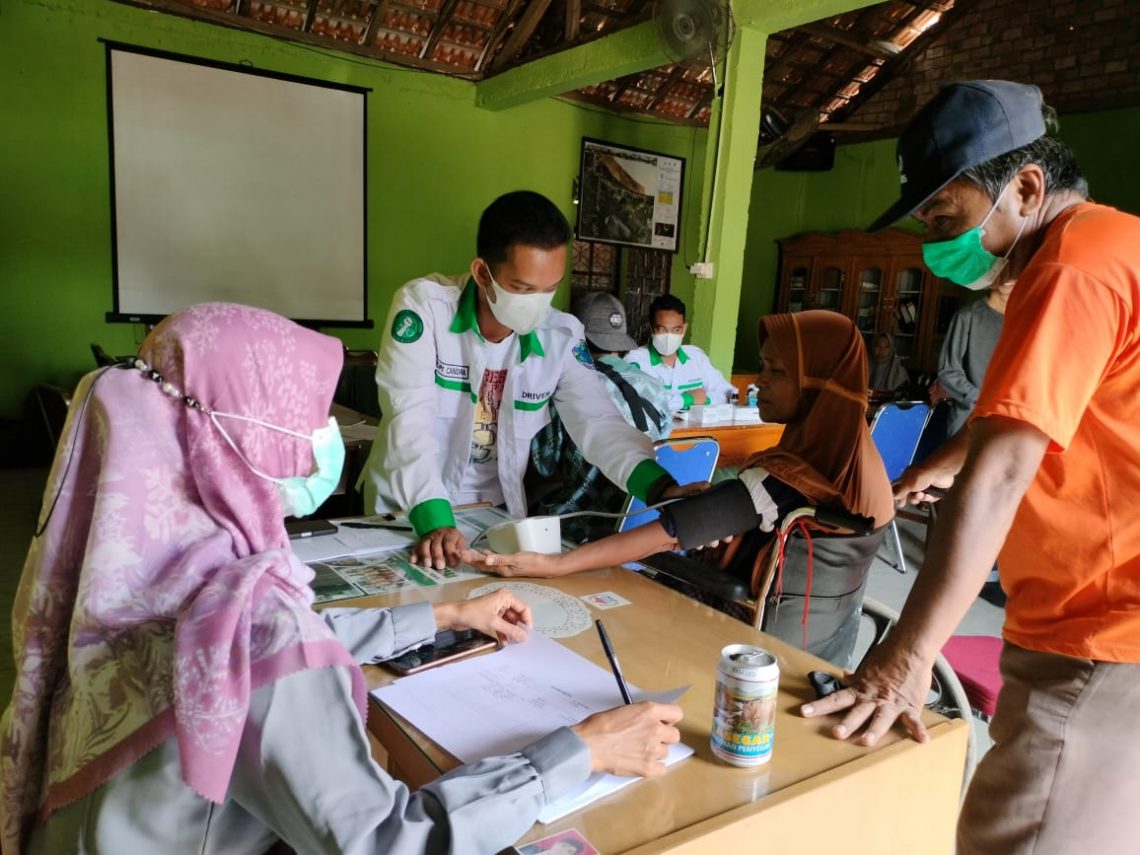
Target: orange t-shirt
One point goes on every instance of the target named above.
(1068, 363)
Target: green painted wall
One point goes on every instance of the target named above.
(864, 182)
(435, 161)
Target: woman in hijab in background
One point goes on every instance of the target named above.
(813, 369)
(175, 691)
(886, 371)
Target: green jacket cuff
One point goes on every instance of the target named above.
(430, 515)
(644, 478)
(686, 400)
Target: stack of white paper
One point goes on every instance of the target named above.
(499, 703)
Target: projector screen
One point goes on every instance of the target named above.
(236, 185)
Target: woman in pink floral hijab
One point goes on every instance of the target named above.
(161, 588)
(172, 676)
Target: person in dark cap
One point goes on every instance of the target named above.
(640, 398)
(1047, 471)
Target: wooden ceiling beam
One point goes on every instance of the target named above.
(573, 20)
(627, 51)
(378, 10)
(228, 19)
(521, 34)
(871, 47)
(310, 13)
(892, 68)
(785, 60)
(662, 91)
(496, 36)
(437, 31)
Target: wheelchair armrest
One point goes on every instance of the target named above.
(859, 525)
(698, 575)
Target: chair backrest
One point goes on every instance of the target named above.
(356, 386)
(53, 403)
(935, 433)
(896, 430)
(102, 358)
(688, 459)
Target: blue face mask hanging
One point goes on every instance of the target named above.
(964, 260)
(300, 495)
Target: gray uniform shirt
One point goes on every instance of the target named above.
(304, 774)
(966, 351)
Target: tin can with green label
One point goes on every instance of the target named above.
(744, 712)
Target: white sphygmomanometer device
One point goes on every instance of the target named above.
(541, 534)
(533, 534)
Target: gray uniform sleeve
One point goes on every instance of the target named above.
(304, 769)
(376, 635)
(952, 362)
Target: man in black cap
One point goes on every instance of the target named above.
(1047, 471)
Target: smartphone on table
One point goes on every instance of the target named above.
(448, 645)
(309, 528)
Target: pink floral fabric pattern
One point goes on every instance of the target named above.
(161, 588)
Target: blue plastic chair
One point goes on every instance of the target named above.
(896, 430)
(689, 460)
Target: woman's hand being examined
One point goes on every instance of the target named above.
(499, 614)
(631, 740)
(534, 564)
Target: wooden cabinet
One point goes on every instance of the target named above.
(879, 281)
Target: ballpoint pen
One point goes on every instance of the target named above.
(608, 648)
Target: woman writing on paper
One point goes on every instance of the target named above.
(175, 691)
(824, 458)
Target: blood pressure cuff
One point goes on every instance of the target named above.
(724, 510)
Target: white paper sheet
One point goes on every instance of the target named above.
(355, 541)
(509, 699)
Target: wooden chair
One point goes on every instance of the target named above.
(53, 402)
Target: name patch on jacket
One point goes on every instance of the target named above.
(451, 372)
(534, 396)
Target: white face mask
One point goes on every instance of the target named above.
(521, 312)
(667, 343)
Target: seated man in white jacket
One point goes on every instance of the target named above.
(686, 372)
(468, 367)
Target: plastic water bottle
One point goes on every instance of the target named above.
(752, 392)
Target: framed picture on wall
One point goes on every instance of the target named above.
(629, 196)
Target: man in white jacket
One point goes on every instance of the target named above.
(468, 367)
(686, 372)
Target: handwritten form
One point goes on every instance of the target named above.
(509, 699)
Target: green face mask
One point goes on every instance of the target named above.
(964, 261)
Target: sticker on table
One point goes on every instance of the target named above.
(555, 614)
(563, 843)
(605, 600)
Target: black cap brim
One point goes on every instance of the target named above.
(907, 204)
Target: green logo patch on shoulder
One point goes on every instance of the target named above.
(582, 354)
(407, 326)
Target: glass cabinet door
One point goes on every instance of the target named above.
(908, 310)
(870, 300)
(797, 289)
(829, 294)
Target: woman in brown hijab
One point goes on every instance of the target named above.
(812, 379)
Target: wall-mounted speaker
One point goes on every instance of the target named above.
(816, 155)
